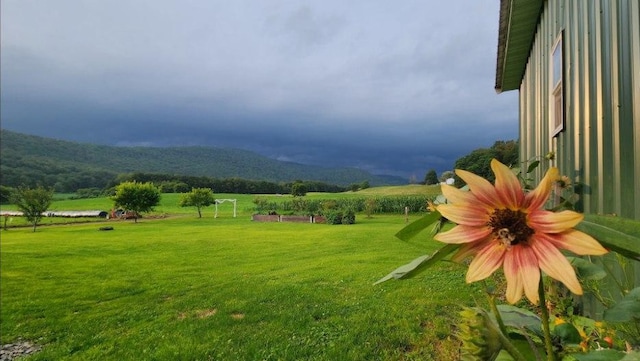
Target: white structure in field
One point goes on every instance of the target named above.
(218, 201)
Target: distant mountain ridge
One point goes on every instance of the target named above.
(25, 158)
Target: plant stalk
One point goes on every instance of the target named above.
(496, 313)
(545, 322)
(506, 343)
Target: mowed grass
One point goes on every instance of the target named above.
(183, 288)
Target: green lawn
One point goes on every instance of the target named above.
(183, 288)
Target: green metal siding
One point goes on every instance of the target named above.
(600, 144)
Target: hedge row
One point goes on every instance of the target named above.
(370, 205)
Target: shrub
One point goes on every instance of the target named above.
(342, 216)
(263, 206)
(333, 216)
(329, 205)
(299, 204)
(348, 217)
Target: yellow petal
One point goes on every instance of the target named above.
(515, 284)
(486, 262)
(467, 215)
(529, 271)
(457, 196)
(576, 242)
(463, 234)
(481, 188)
(507, 185)
(553, 222)
(536, 198)
(555, 265)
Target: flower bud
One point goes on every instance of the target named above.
(479, 335)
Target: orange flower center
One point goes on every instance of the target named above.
(510, 227)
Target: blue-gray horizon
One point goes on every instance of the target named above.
(391, 88)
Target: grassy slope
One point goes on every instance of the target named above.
(226, 289)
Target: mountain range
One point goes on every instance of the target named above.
(29, 160)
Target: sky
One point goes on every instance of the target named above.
(391, 87)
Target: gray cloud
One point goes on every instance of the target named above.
(388, 87)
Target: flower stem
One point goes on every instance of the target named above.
(545, 322)
(504, 340)
(496, 313)
(506, 343)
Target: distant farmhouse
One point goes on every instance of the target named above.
(576, 65)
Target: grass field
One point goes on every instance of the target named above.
(183, 288)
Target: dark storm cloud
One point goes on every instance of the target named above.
(389, 87)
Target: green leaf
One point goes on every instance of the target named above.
(626, 242)
(568, 333)
(533, 166)
(631, 356)
(520, 318)
(504, 356)
(627, 309)
(525, 349)
(419, 264)
(587, 270)
(417, 226)
(603, 355)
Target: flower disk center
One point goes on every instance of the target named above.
(510, 227)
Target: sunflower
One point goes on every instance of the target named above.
(502, 225)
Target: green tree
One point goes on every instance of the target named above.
(298, 189)
(199, 198)
(365, 184)
(507, 152)
(136, 197)
(32, 202)
(5, 194)
(370, 206)
(431, 177)
(479, 160)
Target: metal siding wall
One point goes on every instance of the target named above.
(600, 142)
(628, 178)
(594, 148)
(634, 30)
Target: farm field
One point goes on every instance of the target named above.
(183, 288)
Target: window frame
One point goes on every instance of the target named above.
(556, 92)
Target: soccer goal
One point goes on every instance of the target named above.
(220, 201)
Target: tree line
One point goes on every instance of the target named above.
(168, 183)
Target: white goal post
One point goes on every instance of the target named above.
(219, 201)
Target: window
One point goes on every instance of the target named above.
(557, 80)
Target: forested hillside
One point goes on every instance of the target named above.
(68, 166)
